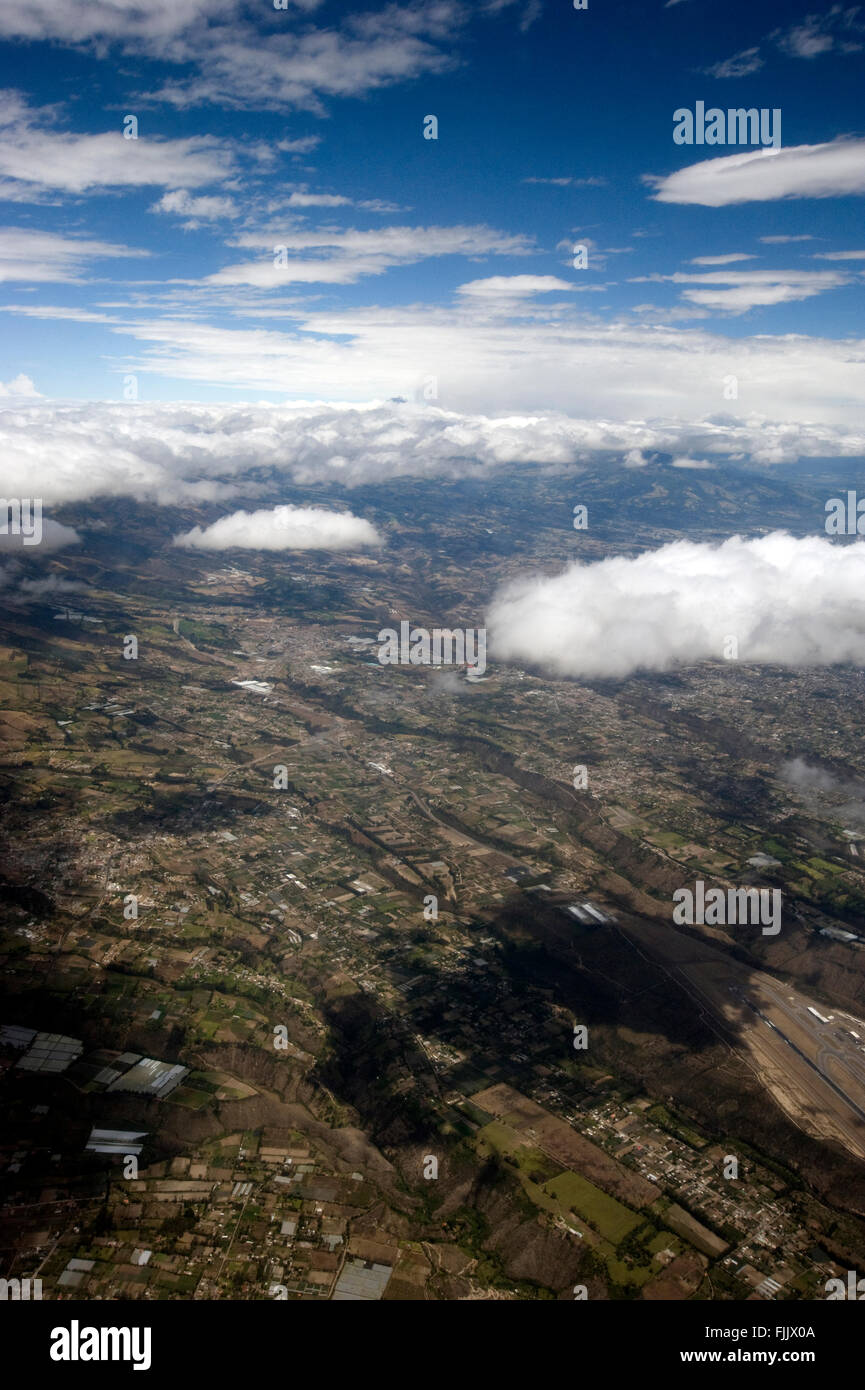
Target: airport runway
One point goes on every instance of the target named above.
(815, 1070)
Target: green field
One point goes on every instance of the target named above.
(503, 1140)
(610, 1218)
(189, 1097)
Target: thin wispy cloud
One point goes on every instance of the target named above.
(343, 255)
(43, 257)
(839, 30)
(736, 291)
(740, 65)
(568, 181)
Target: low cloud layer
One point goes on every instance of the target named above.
(283, 528)
(32, 535)
(802, 775)
(170, 453)
(783, 601)
(821, 789)
(18, 589)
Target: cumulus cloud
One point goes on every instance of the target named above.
(283, 528)
(20, 385)
(785, 601)
(832, 170)
(181, 203)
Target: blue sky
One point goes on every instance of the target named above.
(447, 261)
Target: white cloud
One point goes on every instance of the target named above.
(722, 260)
(395, 245)
(317, 200)
(303, 145)
(193, 453)
(736, 291)
(839, 256)
(56, 311)
(283, 528)
(21, 385)
(181, 203)
(90, 20)
(503, 287)
(250, 56)
(832, 170)
(785, 240)
(36, 158)
(785, 601)
(483, 362)
(285, 68)
(46, 257)
(381, 205)
(333, 255)
(539, 357)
